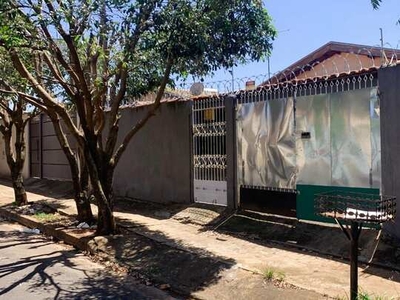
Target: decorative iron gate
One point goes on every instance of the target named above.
(209, 151)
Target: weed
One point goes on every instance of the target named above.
(273, 274)
(363, 295)
(44, 217)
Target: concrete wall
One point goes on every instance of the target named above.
(47, 159)
(155, 167)
(389, 88)
(157, 163)
(4, 169)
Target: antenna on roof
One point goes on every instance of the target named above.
(269, 55)
(382, 53)
(197, 89)
(233, 79)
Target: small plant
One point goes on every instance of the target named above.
(270, 274)
(363, 295)
(45, 217)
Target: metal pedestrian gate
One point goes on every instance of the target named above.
(209, 150)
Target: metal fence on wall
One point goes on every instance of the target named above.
(309, 87)
(339, 65)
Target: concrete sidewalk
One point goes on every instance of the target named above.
(302, 269)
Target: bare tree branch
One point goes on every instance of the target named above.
(48, 100)
(116, 157)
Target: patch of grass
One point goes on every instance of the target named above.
(270, 274)
(45, 217)
(363, 295)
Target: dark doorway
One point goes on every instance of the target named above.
(274, 202)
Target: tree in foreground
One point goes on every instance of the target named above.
(15, 114)
(98, 54)
(14, 117)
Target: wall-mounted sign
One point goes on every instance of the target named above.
(209, 114)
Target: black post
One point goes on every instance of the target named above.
(355, 232)
(230, 117)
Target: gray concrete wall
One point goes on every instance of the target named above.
(157, 163)
(47, 159)
(389, 89)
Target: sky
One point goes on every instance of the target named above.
(304, 26)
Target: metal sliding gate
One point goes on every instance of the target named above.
(209, 151)
(309, 138)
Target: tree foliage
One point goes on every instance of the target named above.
(93, 53)
(376, 3)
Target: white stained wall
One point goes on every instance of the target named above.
(4, 169)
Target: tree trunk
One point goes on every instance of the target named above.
(19, 188)
(83, 207)
(16, 161)
(101, 178)
(81, 197)
(81, 193)
(79, 174)
(105, 221)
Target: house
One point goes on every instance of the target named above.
(317, 126)
(336, 59)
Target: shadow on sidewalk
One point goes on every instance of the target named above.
(50, 188)
(290, 234)
(311, 238)
(41, 274)
(165, 261)
(150, 262)
(160, 260)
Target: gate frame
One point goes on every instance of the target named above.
(195, 114)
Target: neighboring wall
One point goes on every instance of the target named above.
(47, 159)
(389, 88)
(4, 169)
(156, 166)
(157, 163)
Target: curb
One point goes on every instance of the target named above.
(87, 244)
(68, 237)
